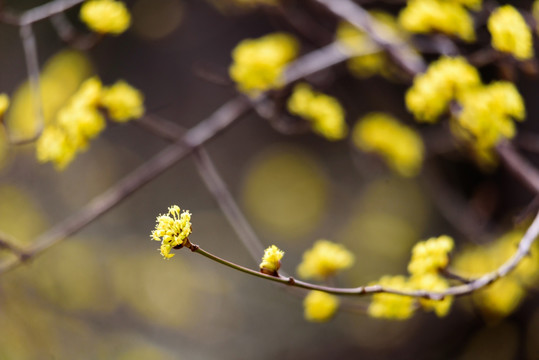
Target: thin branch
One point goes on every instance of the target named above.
(47, 10)
(32, 65)
(523, 170)
(7, 242)
(347, 10)
(459, 290)
(199, 134)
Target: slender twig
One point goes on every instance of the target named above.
(196, 136)
(523, 170)
(451, 275)
(47, 10)
(32, 65)
(7, 242)
(70, 35)
(361, 19)
(459, 290)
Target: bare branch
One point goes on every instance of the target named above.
(361, 19)
(202, 132)
(523, 170)
(47, 10)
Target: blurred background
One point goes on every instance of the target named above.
(106, 293)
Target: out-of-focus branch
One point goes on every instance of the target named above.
(522, 169)
(172, 132)
(361, 19)
(7, 242)
(38, 13)
(199, 134)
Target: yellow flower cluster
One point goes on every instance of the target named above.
(105, 16)
(325, 113)
(427, 258)
(510, 33)
(487, 114)
(271, 261)
(390, 306)
(4, 104)
(444, 80)
(376, 63)
(449, 17)
(259, 64)
(502, 297)
(123, 102)
(320, 306)
(172, 230)
(324, 259)
(433, 282)
(431, 255)
(535, 14)
(80, 120)
(399, 145)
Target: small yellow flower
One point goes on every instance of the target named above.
(123, 102)
(436, 283)
(105, 16)
(487, 117)
(258, 64)
(172, 230)
(4, 104)
(325, 113)
(431, 255)
(320, 306)
(54, 145)
(324, 259)
(510, 33)
(444, 80)
(271, 261)
(425, 16)
(390, 306)
(400, 146)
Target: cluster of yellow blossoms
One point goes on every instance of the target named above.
(510, 33)
(502, 297)
(172, 230)
(399, 145)
(105, 16)
(444, 80)
(4, 104)
(271, 261)
(487, 111)
(449, 17)
(324, 259)
(320, 306)
(428, 257)
(324, 112)
(81, 120)
(320, 262)
(376, 61)
(258, 64)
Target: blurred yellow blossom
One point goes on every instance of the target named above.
(123, 102)
(258, 64)
(320, 306)
(436, 283)
(510, 33)
(105, 16)
(75, 125)
(449, 17)
(535, 13)
(356, 40)
(4, 103)
(271, 261)
(172, 230)
(503, 296)
(400, 146)
(444, 80)
(325, 113)
(487, 116)
(53, 145)
(390, 306)
(430, 255)
(324, 259)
